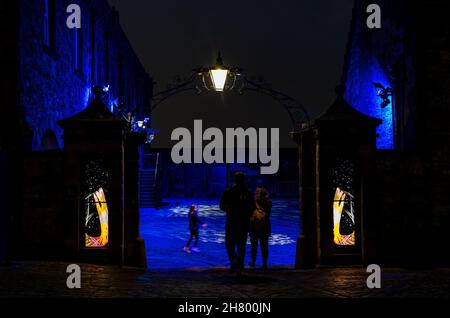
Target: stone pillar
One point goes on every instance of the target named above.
(135, 254)
(306, 242)
(336, 185)
(94, 184)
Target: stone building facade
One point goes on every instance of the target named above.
(48, 72)
(399, 75)
(59, 66)
(410, 55)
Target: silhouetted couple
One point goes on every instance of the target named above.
(246, 213)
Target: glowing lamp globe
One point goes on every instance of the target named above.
(219, 79)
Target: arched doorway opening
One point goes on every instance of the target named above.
(166, 228)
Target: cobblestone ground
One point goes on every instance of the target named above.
(38, 279)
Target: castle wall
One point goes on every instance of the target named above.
(52, 86)
(41, 83)
(409, 54)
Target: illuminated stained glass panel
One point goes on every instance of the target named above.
(96, 214)
(344, 204)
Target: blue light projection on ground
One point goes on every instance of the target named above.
(362, 95)
(166, 231)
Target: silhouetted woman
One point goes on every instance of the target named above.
(260, 227)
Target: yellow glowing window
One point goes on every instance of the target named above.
(97, 207)
(344, 218)
(344, 224)
(96, 214)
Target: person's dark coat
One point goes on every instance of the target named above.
(238, 203)
(194, 222)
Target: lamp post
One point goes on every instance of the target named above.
(221, 78)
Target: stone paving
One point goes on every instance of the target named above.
(42, 279)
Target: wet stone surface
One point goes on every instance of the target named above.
(38, 279)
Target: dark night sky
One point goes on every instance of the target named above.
(298, 46)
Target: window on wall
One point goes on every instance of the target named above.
(121, 75)
(96, 214)
(50, 24)
(99, 69)
(78, 50)
(344, 224)
(93, 49)
(121, 84)
(106, 58)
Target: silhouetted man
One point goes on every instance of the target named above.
(239, 205)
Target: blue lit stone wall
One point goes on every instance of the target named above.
(361, 94)
(413, 181)
(363, 67)
(386, 56)
(40, 86)
(52, 89)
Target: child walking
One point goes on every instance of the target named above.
(194, 223)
